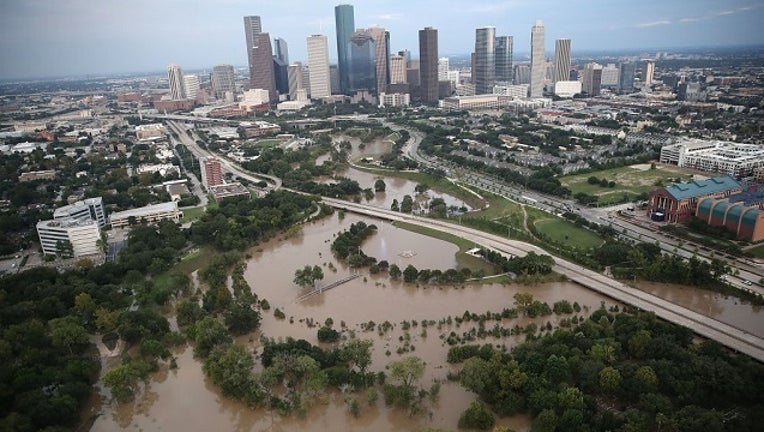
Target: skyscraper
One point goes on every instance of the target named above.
(382, 60)
(212, 172)
(260, 57)
(261, 75)
(191, 85)
(318, 62)
(280, 75)
(428, 64)
(503, 59)
(561, 60)
(626, 80)
(485, 60)
(362, 53)
(648, 70)
(281, 51)
(252, 27)
(345, 25)
(443, 69)
(294, 75)
(175, 78)
(222, 80)
(537, 60)
(592, 79)
(397, 69)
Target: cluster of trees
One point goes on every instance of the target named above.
(46, 319)
(530, 264)
(240, 223)
(410, 275)
(602, 182)
(618, 372)
(347, 244)
(646, 261)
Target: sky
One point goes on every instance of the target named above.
(45, 38)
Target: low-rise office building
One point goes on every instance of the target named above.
(149, 213)
(74, 237)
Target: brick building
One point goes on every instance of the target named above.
(676, 203)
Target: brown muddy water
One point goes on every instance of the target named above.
(184, 399)
(730, 310)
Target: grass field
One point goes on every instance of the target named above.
(268, 143)
(192, 214)
(758, 251)
(630, 181)
(566, 233)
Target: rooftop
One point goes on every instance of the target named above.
(703, 187)
(146, 210)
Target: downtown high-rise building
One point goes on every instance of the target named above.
(591, 79)
(561, 60)
(626, 79)
(344, 21)
(191, 85)
(280, 50)
(175, 81)
(647, 70)
(222, 80)
(397, 69)
(318, 64)
(443, 68)
(428, 65)
(362, 53)
(260, 57)
(294, 77)
(382, 61)
(485, 60)
(538, 61)
(503, 71)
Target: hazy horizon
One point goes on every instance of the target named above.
(46, 38)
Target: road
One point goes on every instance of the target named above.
(736, 339)
(229, 166)
(747, 276)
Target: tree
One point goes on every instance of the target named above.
(241, 317)
(328, 334)
(379, 185)
(476, 416)
(646, 379)
(209, 333)
(395, 206)
(407, 371)
(410, 274)
(395, 271)
(67, 333)
(523, 301)
(407, 205)
(639, 343)
(231, 369)
(546, 421)
(610, 380)
(308, 276)
(357, 353)
(121, 382)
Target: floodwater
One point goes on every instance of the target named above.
(184, 399)
(730, 310)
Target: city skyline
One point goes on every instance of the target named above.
(42, 38)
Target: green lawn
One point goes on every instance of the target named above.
(566, 233)
(758, 251)
(192, 214)
(630, 181)
(269, 142)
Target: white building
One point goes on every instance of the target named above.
(175, 79)
(443, 69)
(733, 159)
(610, 75)
(515, 91)
(253, 98)
(162, 169)
(397, 69)
(57, 235)
(318, 64)
(191, 85)
(538, 60)
(567, 89)
(394, 99)
(150, 131)
(149, 213)
(89, 208)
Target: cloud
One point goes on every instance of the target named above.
(692, 20)
(652, 24)
(389, 16)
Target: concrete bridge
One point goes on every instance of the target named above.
(732, 337)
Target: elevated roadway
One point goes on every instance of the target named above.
(734, 338)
